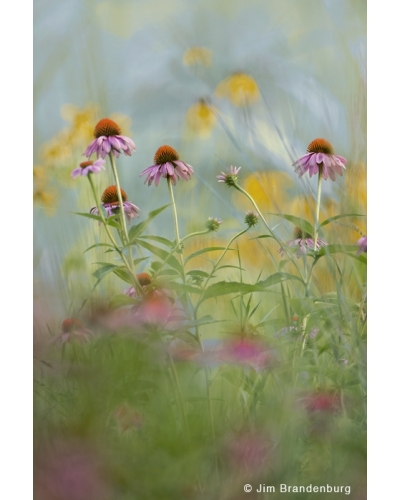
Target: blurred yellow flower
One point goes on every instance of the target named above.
(302, 206)
(239, 88)
(356, 186)
(197, 55)
(81, 120)
(47, 199)
(201, 118)
(269, 190)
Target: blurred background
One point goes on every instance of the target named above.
(224, 82)
(244, 83)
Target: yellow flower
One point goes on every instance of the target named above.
(304, 207)
(356, 186)
(47, 198)
(239, 88)
(197, 55)
(268, 189)
(201, 119)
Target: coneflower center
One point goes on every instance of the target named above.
(165, 154)
(144, 279)
(110, 195)
(320, 146)
(71, 324)
(85, 164)
(106, 127)
(300, 234)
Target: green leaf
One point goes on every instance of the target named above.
(139, 260)
(227, 287)
(162, 254)
(262, 236)
(103, 270)
(198, 273)
(99, 245)
(168, 272)
(327, 250)
(123, 273)
(278, 278)
(110, 221)
(298, 221)
(233, 267)
(336, 217)
(204, 320)
(344, 249)
(179, 287)
(121, 300)
(283, 263)
(160, 239)
(120, 271)
(204, 250)
(138, 229)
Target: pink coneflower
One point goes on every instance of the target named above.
(111, 204)
(72, 330)
(168, 165)
(229, 178)
(362, 245)
(320, 157)
(246, 352)
(158, 310)
(108, 139)
(88, 167)
(325, 402)
(304, 241)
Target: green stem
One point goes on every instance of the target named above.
(138, 286)
(267, 226)
(191, 235)
(318, 207)
(178, 387)
(215, 267)
(121, 203)
(178, 241)
(112, 239)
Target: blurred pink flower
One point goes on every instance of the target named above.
(362, 245)
(108, 139)
(246, 352)
(304, 241)
(248, 451)
(72, 330)
(325, 402)
(69, 471)
(158, 310)
(320, 157)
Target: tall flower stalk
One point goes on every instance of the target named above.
(123, 221)
(231, 180)
(319, 190)
(109, 234)
(176, 226)
(320, 160)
